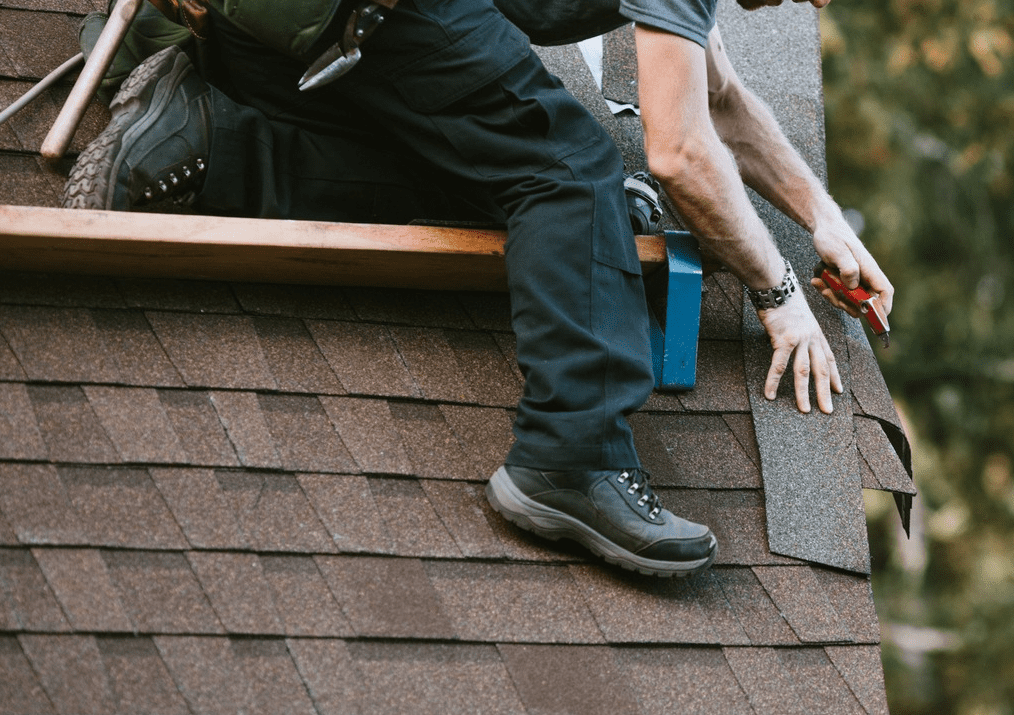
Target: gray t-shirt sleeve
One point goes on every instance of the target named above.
(692, 19)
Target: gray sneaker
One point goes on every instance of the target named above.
(156, 144)
(613, 513)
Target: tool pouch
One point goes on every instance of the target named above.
(191, 14)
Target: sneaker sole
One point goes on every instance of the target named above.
(552, 524)
(133, 111)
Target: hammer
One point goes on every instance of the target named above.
(88, 81)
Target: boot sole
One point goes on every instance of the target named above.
(552, 524)
(90, 183)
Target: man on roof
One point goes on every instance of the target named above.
(445, 112)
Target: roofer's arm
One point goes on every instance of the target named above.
(700, 176)
(773, 168)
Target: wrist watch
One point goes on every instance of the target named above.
(774, 297)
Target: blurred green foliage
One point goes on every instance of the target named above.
(920, 123)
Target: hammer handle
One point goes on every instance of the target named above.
(62, 132)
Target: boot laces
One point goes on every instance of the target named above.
(179, 186)
(638, 479)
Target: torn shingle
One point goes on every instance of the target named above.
(303, 435)
(131, 344)
(72, 673)
(69, 425)
(198, 428)
(878, 453)
(57, 344)
(433, 679)
(19, 432)
(135, 421)
(80, 580)
(20, 689)
(293, 357)
(578, 680)
(801, 598)
(160, 592)
(364, 357)
(369, 433)
(302, 599)
(513, 602)
(199, 506)
(238, 591)
(274, 513)
(386, 597)
(247, 429)
(218, 351)
(27, 602)
(121, 507)
(139, 679)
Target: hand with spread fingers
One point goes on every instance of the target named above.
(796, 335)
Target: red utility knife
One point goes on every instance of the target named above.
(869, 305)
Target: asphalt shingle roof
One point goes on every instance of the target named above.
(220, 497)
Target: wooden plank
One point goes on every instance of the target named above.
(260, 250)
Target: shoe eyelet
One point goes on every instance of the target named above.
(622, 479)
(173, 180)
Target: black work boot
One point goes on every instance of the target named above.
(157, 142)
(614, 513)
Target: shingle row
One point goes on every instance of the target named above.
(218, 674)
(53, 590)
(178, 508)
(103, 424)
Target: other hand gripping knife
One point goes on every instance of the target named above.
(869, 305)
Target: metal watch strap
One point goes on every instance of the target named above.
(774, 297)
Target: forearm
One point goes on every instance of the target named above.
(696, 171)
(767, 162)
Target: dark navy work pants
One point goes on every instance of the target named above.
(451, 115)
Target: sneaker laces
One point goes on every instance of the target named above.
(638, 479)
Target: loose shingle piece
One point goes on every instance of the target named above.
(221, 497)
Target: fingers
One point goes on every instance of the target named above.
(813, 358)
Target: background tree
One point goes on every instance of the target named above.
(920, 124)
